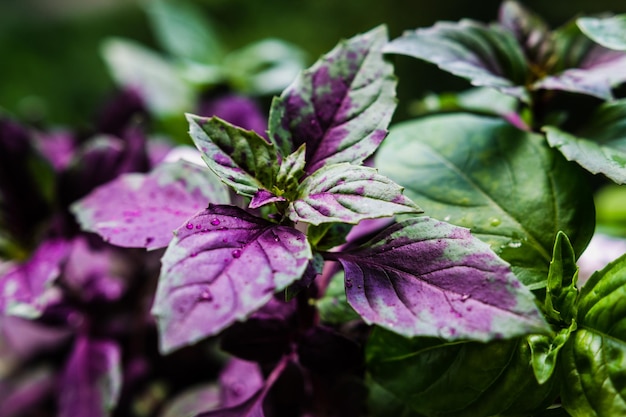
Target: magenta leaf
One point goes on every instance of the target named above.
(91, 383)
(241, 158)
(429, 278)
(222, 266)
(142, 210)
(26, 288)
(239, 380)
(340, 107)
(348, 193)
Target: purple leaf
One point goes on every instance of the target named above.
(26, 289)
(348, 194)
(223, 265)
(340, 107)
(142, 210)
(584, 67)
(241, 158)
(487, 56)
(91, 382)
(263, 197)
(26, 338)
(238, 110)
(239, 381)
(24, 391)
(429, 278)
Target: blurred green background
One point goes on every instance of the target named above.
(51, 71)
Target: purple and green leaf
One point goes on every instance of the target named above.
(506, 185)
(593, 359)
(241, 158)
(142, 210)
(488, 56)
(601, 146)
(348, 193)
(26, 288)
(340, 107)
(222, 266)
(609, 32)
(429, 278)
(92, 380)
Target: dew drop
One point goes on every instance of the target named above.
(189, 226)
(236, 253)
(495, 221)
(276, 238)
(465, 297)
(206, 295)
(198, 226)
(515, 244)
(446, 219)
(215, 222)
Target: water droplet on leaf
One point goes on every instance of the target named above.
(215, 222)
(465, 297)
(206, 295)
(495, 222)
(515, 244)
(236, 253)
(189, 226)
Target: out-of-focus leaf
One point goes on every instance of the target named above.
(487, 56)
(561, 289)
(27, 389)
(340, 107)
(594, 358)
(348, 194)
(333, 307)
(142, 210)
(156, 80)
(193, 401)
(506, 185)
(26, 288)
(264, 67)
(600, 147)
(92, 379)
(241, 158)
(609, 32)
(184, 31)
(222, 266)
(430, 278)
(239, 380)
(458, 379)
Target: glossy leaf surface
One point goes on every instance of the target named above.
(594, 359)
(348, 194)
(457, 379)
(510, 189)
(487, 56)
(430, 278)
(92, 379)
(600, 147)
(221, 267)
(241, 158)
(142, 210)
(340, 107)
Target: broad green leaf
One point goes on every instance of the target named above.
(142, 210)
(609, 32)
(594, 359)
(545, 350)
(241, 158)
(134, 66)
(184, 31)
(326, 236)
(348, 193)
(423, 277)
(600, 147)
(504, 184)
(340, 107)
(561, 287)
(222, 266)
(487, 56)
(458, 379)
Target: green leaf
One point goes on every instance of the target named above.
(487, 56)
(184, 31)
(504, 184)
(348, 193)
(594, 360)
(458, 379)
(609, 32)
(561, 289)
(159, 84)
(545, 350)
(328, 235)
(291, 170)
(601, 146)
(241, 158)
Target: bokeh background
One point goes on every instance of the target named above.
(52, 73)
